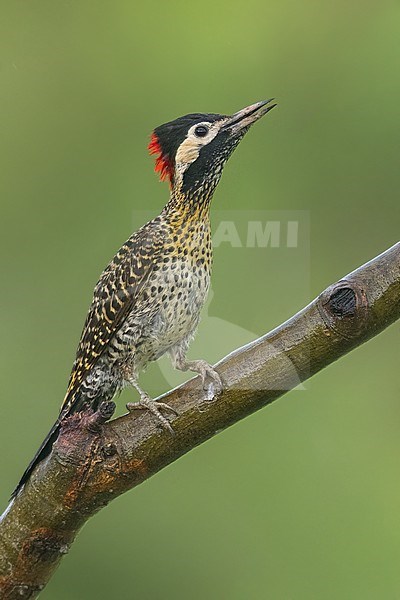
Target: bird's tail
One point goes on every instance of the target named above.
(40, 455)
(70, 405)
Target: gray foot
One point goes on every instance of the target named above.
(147, 403)
(212, 381)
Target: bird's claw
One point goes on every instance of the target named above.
(147, 403)
(212, 382)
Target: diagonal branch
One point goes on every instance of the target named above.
(94, 461)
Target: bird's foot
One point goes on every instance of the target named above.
(147, 403)
(212, 382)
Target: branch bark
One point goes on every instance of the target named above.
(94, 461)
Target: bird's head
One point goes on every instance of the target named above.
(192, 150)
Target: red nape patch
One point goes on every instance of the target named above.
(164, 165)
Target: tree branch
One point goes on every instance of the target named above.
(93, 461)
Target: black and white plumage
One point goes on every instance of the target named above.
(148, 299)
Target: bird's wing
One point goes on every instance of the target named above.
(114, 298)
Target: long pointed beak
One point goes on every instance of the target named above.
(249, 115)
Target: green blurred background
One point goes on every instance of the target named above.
(301, 500)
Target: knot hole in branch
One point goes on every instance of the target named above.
(343, 302)
(343, 307)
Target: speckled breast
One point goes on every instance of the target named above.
(176, 291)
(183, 290)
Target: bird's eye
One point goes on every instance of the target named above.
(201, 130)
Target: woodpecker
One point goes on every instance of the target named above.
(148, 299)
